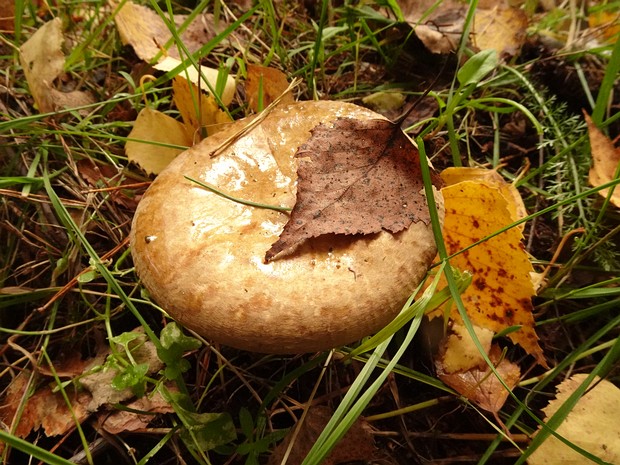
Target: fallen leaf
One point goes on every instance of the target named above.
(592, 425)
(106, 176)
(501, 28)
(459, 353)
(146, 32)
(605, 160)
(43, 409)
(99, 382)
(440, 25)
(209, 77)
(500, 296)
(354, 177)
(157, 131)
(199, 111)
(514, 201)
(43, 61)
(479, 384)
(7, 16)
(383, 102)
(605, 23)
(357, 444)
(272, 82)
(121, 421)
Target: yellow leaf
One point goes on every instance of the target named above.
(501, 291)
(592, 425)
(142, 28)
(210, 77)
(605, 160)
(500, 28)
(157, 131)
(197, 109)
(271, 81)
(459, 353)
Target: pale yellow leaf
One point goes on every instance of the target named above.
(605, 160)
(459, 353)
(209, 75)
(593, 425)
(157, 131)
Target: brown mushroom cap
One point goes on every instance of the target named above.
(201, 256)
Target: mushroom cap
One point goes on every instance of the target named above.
(201, 256)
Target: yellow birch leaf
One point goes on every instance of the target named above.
(605, 160)
(271, 81)
(157, 131)
(592, 425)
(501, 291)
(197, 109)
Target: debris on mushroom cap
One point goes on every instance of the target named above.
(201, 256)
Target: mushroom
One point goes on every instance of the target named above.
(201, 255)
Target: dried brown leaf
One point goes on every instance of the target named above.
(479, 384)
(605, 160)
(354, 177)
(357, 444)
(121, 421)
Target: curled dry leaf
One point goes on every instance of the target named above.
(272, 82)
(605, 160)
(121, 421)
(500, 296)
(354, 177)
(501, 28)
(479, 384)
(43, 61)
(592, 425)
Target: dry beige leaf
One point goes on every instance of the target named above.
(43, 61)
(357, 444)
(480, 385)
(592, 425)
(605, 160)
(143, 29)
(198, 110)
(121, 421)
(500, 28)
(99, 383)
(271, 81)
(157, 131)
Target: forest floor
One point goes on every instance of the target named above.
(94, 371)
